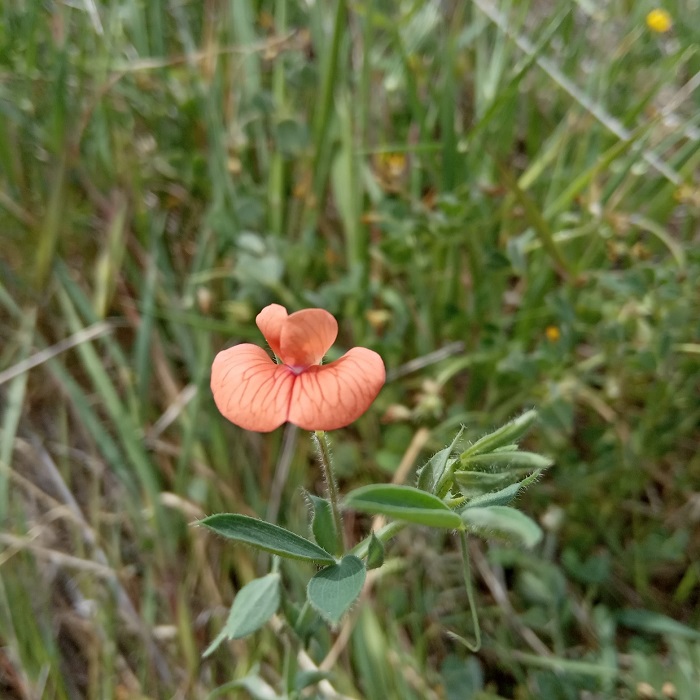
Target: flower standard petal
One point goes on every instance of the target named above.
(250, 389)
(306, 336)
(270, 321)
(328, 397)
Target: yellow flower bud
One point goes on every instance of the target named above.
(553, 334)
(659, 21)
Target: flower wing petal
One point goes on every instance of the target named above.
(270, 321)
(331, 396)
(306, 336)
(250, 389)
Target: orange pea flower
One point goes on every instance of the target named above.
(255, 393)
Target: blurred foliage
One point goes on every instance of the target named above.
(453, 181)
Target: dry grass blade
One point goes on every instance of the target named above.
(86, 335)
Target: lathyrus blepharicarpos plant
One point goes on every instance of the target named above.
(464, 489)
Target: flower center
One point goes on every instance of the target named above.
(295, 369)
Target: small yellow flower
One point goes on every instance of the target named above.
(688, 194)
(553, 334)
(395, 164)
(378, 318)
(659, 21)
(390, 169)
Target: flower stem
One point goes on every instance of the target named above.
(476, 645)
(324, 456)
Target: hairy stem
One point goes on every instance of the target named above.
(324, 456)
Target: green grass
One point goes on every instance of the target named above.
(167, 169)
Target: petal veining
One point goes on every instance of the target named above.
(270, 322)
(306, 336)
(251, 390)
(328, 397)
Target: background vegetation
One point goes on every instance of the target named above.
(501, 198)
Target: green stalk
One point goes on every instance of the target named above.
(14, 403)
(276, 180)
(324, 457)
(466, 570)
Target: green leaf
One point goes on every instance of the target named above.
(303, 619)
(496, 498)
(505, 521)
(502, 497)
(334, 589)
(323, 526)
(265, 536)
(304, 679)
(477, 483)
(254, 605)
(501, 460)
(434, 477)
(403, 503)
(461, 678)
(505, 435)
(375, 552)
(291, 137)
(592, 570)
(506, 448)
(255, 686)
(655, 623)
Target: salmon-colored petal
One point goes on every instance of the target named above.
(306, 337)
(328, 397)
(250, 389)
(270, 321)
